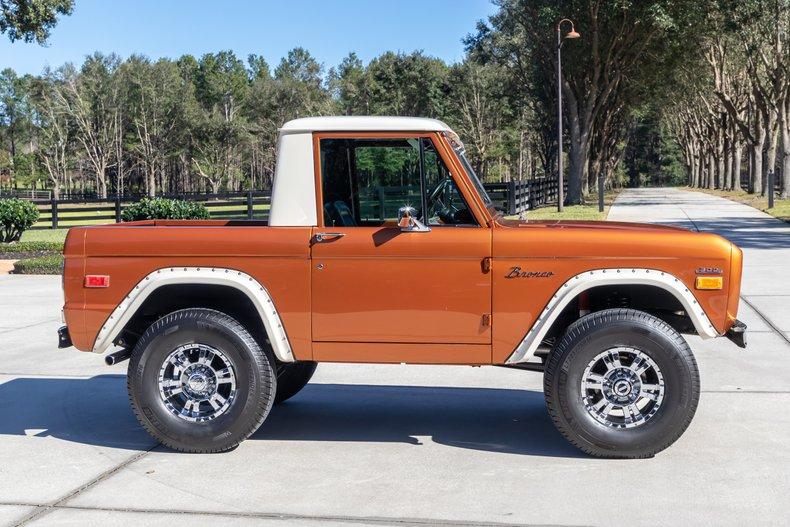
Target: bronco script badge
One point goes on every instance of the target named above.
(516, 272)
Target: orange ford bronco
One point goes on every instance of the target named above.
(382, 246)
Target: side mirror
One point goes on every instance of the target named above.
(408, 222)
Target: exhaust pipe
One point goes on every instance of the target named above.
(117, 357)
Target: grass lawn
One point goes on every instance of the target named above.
(45, 235)
(781, 208)
(588, 211)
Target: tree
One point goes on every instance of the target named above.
(31, 20)
(410, 85)
(221, 86)
(348, 87)
(91, 97)
(626, 46)
(54, 132)
(480, 108)
(156, 100)
(737, 97)
(14, 109)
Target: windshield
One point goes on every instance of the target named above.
(458, 146)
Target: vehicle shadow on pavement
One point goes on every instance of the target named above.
(95, 411)
(488, 419)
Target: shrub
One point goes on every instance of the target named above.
(165, 209)
(31, 247)
(48, 264)
(16, 216)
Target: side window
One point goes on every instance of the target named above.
(446, 204)
(366, 181)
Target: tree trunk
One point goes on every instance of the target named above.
(151, 181)
(756, 175)
(784, 125)
(736, 166)
(577, 160)
(101, 182)
(726, 183)
(719, 183)
(578, 155)
(770, 157)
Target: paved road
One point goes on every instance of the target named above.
(402, 444)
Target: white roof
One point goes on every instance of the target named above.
(363, 124)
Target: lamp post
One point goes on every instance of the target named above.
(570, 34)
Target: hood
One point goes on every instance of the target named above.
(590, 225)
(605, 239)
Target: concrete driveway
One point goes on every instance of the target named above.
(402, 445)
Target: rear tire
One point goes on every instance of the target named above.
(199, 382)
(291, 378)
(621, 384)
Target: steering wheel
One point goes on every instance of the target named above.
(435, 198)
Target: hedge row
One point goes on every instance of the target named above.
(48, 264)
(30, 247)
(165, 209)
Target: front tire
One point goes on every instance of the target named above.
(621, 384)
(199, 382)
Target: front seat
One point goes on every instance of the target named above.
(340, 214)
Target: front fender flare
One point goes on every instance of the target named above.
(245, 283)
(589, 279)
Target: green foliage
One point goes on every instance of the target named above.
(30, 247)
(31, 20)
(165, 209)
(210, 123)
(16, 216)
(47, 264)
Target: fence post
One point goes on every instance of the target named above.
(117, 208)
(249, 204)
(511, 197)
(54, 203)
(600, 191)
(382, 202)
(770, 189)
(531, 188)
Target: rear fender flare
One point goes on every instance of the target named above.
(245, 283)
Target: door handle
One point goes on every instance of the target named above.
(321, 237)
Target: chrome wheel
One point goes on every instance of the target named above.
(622, 388)
(197, 383)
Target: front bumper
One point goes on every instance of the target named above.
(64, 339)
(737, 333)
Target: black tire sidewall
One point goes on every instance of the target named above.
(671, 355)
(255, 382)
(291, 378)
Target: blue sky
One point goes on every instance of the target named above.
(329, 29)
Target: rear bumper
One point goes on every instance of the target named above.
(64, 339)
(737, 333)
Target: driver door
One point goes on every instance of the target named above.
(383, 295)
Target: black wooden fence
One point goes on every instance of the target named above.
(515, 197)
(87, 211)
(512, 197)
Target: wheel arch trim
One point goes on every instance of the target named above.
(617, 276)
(252, 288)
